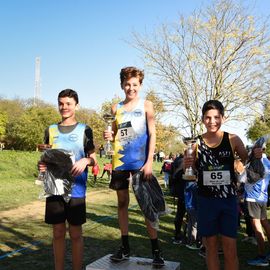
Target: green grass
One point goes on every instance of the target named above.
(18, 171)
(28, 241)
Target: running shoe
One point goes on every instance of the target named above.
(120, 255)
(177, 242)
(258, 261)
(193, 246)
(158, 261)
(253, 241)
(246, 239)
(267, 256)
(202, 252)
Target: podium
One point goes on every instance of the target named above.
(134, 263)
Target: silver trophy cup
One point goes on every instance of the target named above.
(189, 173)
(108, 148)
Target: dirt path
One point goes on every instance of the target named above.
(35, 210)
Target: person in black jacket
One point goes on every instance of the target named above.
(177, 188)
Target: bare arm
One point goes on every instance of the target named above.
(239, 147)
(149, 110)
(80, 165)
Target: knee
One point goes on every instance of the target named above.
(75, 236)
(75, 233)
(123, 204)
(59, 233)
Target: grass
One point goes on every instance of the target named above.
(25, 243)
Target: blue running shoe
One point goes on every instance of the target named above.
(258, 261)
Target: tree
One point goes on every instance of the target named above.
(28, 129)
(163, 132)
(220, 52)
(95, 121)
(3, 125)
(261, 126)
(158, 104)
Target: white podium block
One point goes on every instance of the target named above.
(134, 263)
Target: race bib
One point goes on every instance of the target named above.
(216, 178)
(125, 132)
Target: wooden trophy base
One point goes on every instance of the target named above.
(188, 177)
(110, 153)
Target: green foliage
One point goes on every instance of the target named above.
(95, 121)
(23, 124)
(261, 126)
(168, 139)
(158, 103)
(106, 106)
(28, 130)
(3, 124)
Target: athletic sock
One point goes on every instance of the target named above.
(154, 244)
(125, 242)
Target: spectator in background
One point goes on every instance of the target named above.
(256, 198)
(107, 168)
(101, 151)
(193, 240)
(177, 190)
(95, 172)
(161, 156)
(166, 169)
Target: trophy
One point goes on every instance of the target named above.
(108, 118)
(189, 173)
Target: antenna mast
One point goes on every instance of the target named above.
(37, 96)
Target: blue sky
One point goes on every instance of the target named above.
(81, 43)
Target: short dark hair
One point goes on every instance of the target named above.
(213, 105)
(69, 93)
(130, 72)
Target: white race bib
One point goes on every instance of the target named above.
(216, 178)
(126, 133)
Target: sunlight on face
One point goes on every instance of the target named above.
(213, 120)
(67, 107)
(131, 87)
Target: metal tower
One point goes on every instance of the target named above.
(37, 95)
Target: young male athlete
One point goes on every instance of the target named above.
(217, 196)
(76, 138)
(134, 140)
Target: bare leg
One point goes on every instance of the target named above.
(266, 227)
(151, 231)
(123, 202)
(212, 259)
(75, 233)
(230, 253)
(257, 227)
(59, 234)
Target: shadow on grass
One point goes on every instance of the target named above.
(29, 242)
(22, 248)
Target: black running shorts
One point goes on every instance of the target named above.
(58, 210)
(120, 179)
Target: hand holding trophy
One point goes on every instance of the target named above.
(189, 173)
(109, 118)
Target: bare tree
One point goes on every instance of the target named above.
(219, 52)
